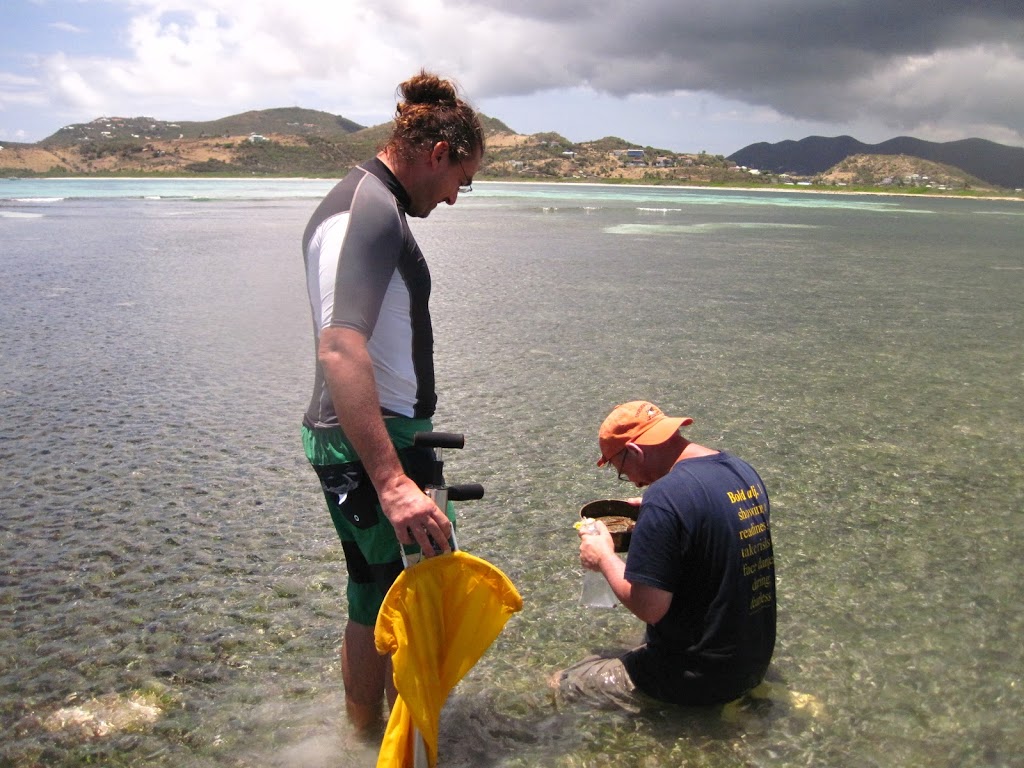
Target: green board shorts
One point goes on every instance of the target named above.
(373, 557)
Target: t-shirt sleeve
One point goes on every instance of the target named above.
(655, 548)
(370, 252)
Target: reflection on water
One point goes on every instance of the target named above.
(163, 544)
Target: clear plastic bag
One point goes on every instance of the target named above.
(596, 591)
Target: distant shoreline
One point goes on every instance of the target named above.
(785, 189)
(698, 187)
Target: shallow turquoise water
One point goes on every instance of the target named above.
(159, 530)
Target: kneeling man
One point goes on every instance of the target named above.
(700, 570)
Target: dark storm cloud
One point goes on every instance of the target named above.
(909, 62)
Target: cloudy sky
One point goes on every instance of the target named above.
(684, 75)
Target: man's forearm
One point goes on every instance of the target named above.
(349, 373)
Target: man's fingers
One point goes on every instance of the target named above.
(430, 538)
(407, 535)
(437, 539)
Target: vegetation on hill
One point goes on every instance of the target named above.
(300, 122)
(995, 164)
(898, 171)
(291, 121)
(308, 143)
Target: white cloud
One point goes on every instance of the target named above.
(71, 85)
(19, 91)
(63, 26)
(775, 61)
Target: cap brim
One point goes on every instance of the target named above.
(662, 430)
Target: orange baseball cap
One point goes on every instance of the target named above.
(637, 422)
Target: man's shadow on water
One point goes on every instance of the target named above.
(482, 729)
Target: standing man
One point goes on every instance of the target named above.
(368, 288)
(700, 570)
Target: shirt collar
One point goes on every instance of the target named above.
(377, 167)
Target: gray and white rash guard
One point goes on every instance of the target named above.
(365, 271)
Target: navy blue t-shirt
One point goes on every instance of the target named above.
(703, 534)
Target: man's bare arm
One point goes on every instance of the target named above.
(597, 553)
(349, 372)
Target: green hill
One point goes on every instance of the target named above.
(995, 164)
(314, 144)
(291, 121)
